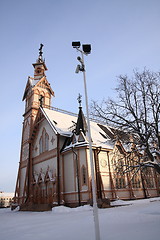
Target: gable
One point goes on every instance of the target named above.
(81, 137)
(27, 88)
(44, 84)
(33, 83)
(119, 148)
(42, 134)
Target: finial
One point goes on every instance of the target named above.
(40, 50)
(40, 59)
(79, 99)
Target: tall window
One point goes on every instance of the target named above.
(44, 142)
(84, 177)
(149, 178)
(120, 182)
(41, 100)
(136, 183)
(118, 173)
(40, 145)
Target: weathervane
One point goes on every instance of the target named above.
(40, 50)
(79, 99)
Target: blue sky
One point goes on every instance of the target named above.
(124, 34)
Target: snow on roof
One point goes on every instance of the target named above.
(30, 83)
(34, 81)
(98, 138)
(63, 122)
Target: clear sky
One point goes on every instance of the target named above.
(124, 34)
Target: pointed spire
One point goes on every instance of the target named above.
(81, 121)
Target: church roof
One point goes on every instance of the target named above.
(64, 123)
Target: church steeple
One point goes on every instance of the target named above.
(81, 125)
(37, 93)
(37, 87)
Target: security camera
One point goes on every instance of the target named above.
(80, 60)
(78, 68)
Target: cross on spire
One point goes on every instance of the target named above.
(79, 99)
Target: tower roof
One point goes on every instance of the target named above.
(81, 123)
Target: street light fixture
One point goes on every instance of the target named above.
(86, 48)
(81, 67)
(76, 44)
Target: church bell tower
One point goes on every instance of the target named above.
(37, 94)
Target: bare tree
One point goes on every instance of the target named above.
(136, 111)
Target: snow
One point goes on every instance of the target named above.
(120, 203)
(138, 220)
(63, 209)
(62, 122)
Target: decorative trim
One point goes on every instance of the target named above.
(23, 163)
(45, 156)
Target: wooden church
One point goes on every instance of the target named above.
(54, 166)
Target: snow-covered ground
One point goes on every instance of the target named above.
(140, 220)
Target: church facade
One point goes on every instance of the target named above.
(54, 166)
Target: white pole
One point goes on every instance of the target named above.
(95, 208)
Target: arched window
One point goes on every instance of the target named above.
(136, 183)
(41, 100)
(149, 177)
(84, 176)
(44, 142)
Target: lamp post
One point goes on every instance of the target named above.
(86, 49)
